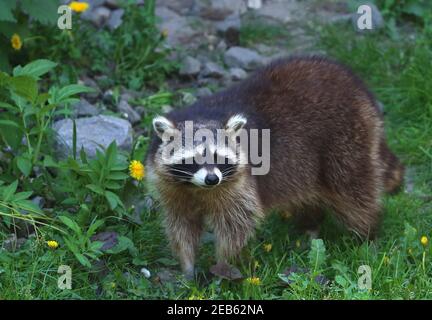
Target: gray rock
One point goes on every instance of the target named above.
(237, 74)
(230, 29)
(243, 58)
(100, 16)
(377, 19)
(203, 92)
(222, 46)
(141, 110)
(92, 133)
(190, 67)
(128, 112)
(166, 108)
(182, 7)
(39, 201)
(112, 4)
(83, 108)
(213, 70)
(13, 243)
(176, 26)
(219, 9)
(89, 82)
(283, 11)
(115, 20)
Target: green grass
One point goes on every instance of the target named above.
(257, 31)
(399, 72)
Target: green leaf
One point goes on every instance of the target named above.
(10, 190)
(10, 124)
(113, 199)
(74, 139)
(22, 195)
(95, 189)
(25, 86)
(43, 11)
(93, 227)
(317, 254)
(35, 69)
(117, 176)
(25, 165)
(82, 259)
(8, 106)
(49, 162)
(111, 154)
(29, 206)
(112, 185)
(6, 10)
(71, 90)
(71, 224)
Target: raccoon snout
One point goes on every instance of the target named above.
(211, 179)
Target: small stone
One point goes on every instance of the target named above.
(112, 4)
(177, 27)
(39, 201)
(13, 243)
(83, 108)
(108, 238)
(167, 108)
(89, 82)
(222, 46)
(92, 133)
(243, 58)
(254, 4)
(237, 74)
(141, 110)
(115, 20)
(190, 67)
(203, 92)
(125, 108)
(100, 16)
(213, 70)
(230, 29)
(220, 9)
(145, 272)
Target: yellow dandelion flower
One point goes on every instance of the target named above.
(255, 281)
(136, 170)
(52, 244)
(16, 42)
(164, 33)
(424, 241)
(78, 6)
(268, 247)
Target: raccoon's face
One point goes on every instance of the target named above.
(203, 153)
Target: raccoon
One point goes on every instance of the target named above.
(327, 153)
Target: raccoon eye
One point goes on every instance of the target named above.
(226, 167)
(183, 170)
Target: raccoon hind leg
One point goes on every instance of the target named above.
(393, 169)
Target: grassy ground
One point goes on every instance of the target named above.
(399, 72)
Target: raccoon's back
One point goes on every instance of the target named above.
(318, 112)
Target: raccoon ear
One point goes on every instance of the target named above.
(235, 123)
(163, 127)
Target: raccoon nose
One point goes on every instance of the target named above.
(211, 179)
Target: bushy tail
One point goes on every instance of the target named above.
(394, 170)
